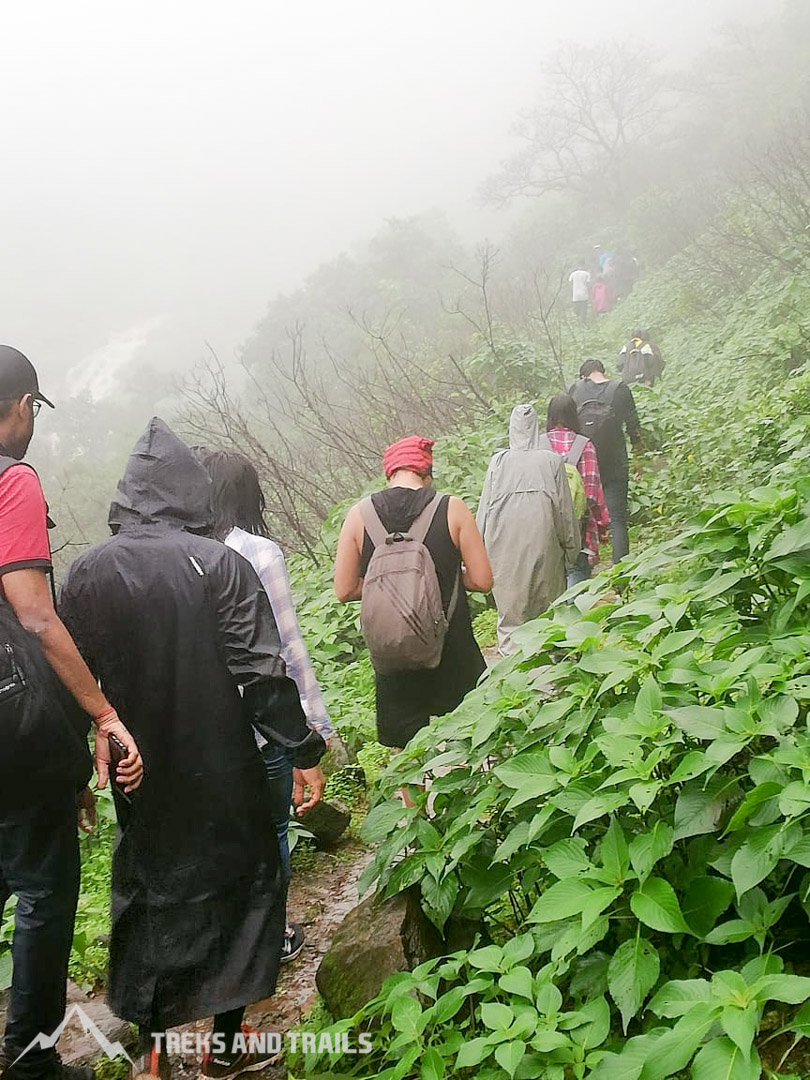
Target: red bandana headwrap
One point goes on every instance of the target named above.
(413, 453)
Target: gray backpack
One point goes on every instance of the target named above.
(401, 613)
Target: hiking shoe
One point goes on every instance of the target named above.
(152, 1065)
(294, 939)
(229, 1066)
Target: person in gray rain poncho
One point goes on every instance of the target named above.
(526, 517)
(177, 627)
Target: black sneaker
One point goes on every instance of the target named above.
(294, 940)
(229, 1066)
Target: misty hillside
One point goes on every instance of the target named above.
(619, 815)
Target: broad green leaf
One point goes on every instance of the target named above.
(432, 1066)
(731, 931)
(678, 997)
(757, 858)
(567, 858)
(795, 799)
(473, 1053)
(517, 949)
(518, 981)
(700, 721)
(547, 1041)
(549, 999)
(439, 898)
(447, 1005)
(530, 767)
(705, 901)
(489, 958)
(700, 806)
(509, 1055)
(594, 1026)
(792, 989)
(741, 1025)
(562, 900)
(632, 973)
(643, 795)
(405, 1015)
(801, 1021)
(614, 853)
(793, 539)
(720, 1059)
(5, 970)
(598, 806)
(649, 847)
(495, 1016)
(655, 904)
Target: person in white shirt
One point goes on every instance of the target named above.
(238, 503)
(580, 281)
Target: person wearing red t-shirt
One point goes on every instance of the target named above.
(39, 857)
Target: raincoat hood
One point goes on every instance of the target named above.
(524, 430)
(164, 484)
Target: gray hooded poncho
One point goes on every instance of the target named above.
(526, 517)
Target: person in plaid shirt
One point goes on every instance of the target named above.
(239, 504)
(561, 429)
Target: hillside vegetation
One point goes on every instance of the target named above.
(622, 809)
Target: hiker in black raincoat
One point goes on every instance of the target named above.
(174, 623)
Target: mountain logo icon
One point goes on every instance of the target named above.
(46, 1042)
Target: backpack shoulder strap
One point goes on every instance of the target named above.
(421, 524)
(371, 519)
(577, 448)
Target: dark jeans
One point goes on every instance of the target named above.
(581, 571)
(39, 863)
(615, 488)
(280, 774)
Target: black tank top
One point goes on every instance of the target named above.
(406, 700)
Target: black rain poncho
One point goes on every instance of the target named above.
(173, 624)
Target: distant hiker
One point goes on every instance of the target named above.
(580, 293)
(238, 506)
(49, 698)
(563, 437)
(409, 553)
(601, 298)
(529, 525)
(605, 408)
(181, 634)
(640, 360)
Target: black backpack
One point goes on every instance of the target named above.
(44, 732)
(597, 417)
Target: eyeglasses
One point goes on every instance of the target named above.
(35, 406)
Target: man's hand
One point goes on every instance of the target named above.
(86, 810)
(303, 779)
(130, 770)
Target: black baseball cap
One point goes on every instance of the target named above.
(18, 377)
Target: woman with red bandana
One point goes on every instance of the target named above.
(406, 700)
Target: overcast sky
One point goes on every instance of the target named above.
(170, 165)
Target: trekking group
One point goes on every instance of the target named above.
(177, 641)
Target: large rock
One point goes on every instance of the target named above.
(327, 822)
(80, 1040)
(375, 940)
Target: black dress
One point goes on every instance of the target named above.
(406, 700)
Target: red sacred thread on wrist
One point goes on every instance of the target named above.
(106, 715)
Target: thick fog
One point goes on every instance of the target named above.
(169, 166)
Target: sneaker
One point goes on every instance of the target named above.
(152, 1065)
(229, 1066)
(294, 940)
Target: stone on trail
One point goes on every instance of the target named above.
(374, 941)
(327, 822)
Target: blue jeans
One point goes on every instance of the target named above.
(279, 770)
(581, 571)
(615, 488)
